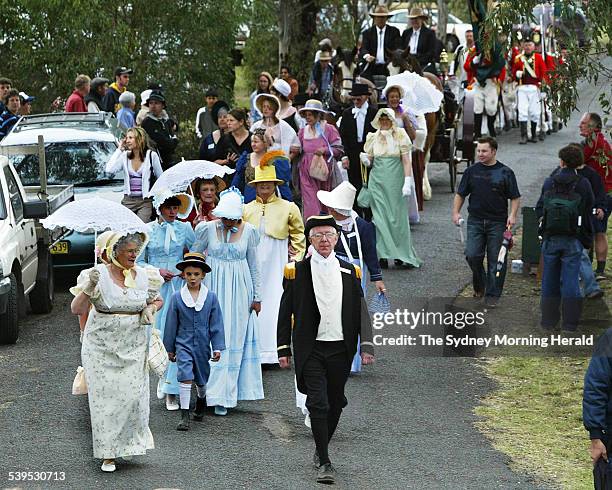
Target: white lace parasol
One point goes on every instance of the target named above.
(178, 177)
(95, 215)
(420, 95)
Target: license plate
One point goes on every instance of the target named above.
(60, 248)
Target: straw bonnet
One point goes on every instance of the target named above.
(416, 12)
(401, 90)
(380, 11)
(342, 197)
(313, 105)
(230, 204)
(193, 259)
(261, 98)
(102, 242)
(118, 235)
(186, 202)
(384, 112)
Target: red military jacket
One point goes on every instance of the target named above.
(534, 69)
(470, 69)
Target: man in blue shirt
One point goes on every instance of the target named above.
(489, 185)
(9, 116)
(562, 251)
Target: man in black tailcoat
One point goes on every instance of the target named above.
(378, 43)
(420, 40)
(322, 294)
(355, 125)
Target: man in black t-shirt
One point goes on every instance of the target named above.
(489, 185)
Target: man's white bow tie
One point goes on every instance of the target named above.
(359, 110)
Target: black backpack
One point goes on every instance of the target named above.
(562, 208)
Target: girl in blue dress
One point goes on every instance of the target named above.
(231, 244)
(169, 239)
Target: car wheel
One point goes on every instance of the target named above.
(41, 297)
(9, 320)
(452, 42)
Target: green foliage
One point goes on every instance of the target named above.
(184, 45)
(585, 62)
(261, 50)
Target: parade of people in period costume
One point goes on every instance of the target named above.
(271, 259)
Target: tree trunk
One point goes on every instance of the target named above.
(284, 31)
(302, 39)
(442, 21)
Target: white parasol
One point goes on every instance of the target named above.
(95, 215)
(178, 177)
(420, 96)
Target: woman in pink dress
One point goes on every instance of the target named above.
(317, 139)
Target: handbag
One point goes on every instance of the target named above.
(364, 198)
(379, 304)
(79, 385)
(158, 357)
(319, 170)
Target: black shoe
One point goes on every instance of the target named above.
(491, 301)
(541, 136)
(384, 263)
(200, 408)
(184, 423)
(315, 460)
(326, 474)
(403, 265)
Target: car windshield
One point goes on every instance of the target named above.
(78, 163)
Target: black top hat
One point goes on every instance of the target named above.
(359, 89)
(217, 106)
(122, 70)
(193, 259)
(300, 99)
(156, 95)
(323, 220)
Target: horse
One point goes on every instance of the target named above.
(346, 70)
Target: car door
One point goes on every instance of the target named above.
(25, 231)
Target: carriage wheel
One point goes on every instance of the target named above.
(452, 160)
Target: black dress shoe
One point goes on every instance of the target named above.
(200, 408)
(326, 474)
(403, 265)
(384, 263)
(397, 262)
(184, 423)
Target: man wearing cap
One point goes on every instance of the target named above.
(111, 99)
(355, 125)
(419, 39)
(97, 91)
(378, 41)
(76, 101)
(321, 77)
(322, 313)
(159, 128)
(25, 108)
(528, 70)
(204, 123)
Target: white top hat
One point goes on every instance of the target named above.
(230, 204)
(342, 197)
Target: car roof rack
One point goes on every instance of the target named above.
(64, 118)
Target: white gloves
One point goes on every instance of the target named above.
(94, 277)
(147, 315)
(365, 159)
(476, 59)
(408, 186)
(519, 74)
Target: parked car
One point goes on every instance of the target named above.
(25, 259)
(77, 148)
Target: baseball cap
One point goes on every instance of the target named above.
(26, 98)
(122, 70)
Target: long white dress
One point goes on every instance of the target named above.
(114, 355)
(273, 256)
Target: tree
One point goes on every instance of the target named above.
(584, 61)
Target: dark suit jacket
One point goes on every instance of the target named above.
(348, 133)
(426, 48)
(298, 301)
(370, 41)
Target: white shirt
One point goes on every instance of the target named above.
(327, 285)
(359, 113)
(380, 49)
(414, 41)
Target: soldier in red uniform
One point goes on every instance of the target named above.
(528, 70)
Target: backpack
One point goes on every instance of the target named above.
(562, 208)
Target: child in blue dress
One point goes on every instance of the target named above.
(193, 323)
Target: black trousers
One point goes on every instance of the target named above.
(325, 374)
